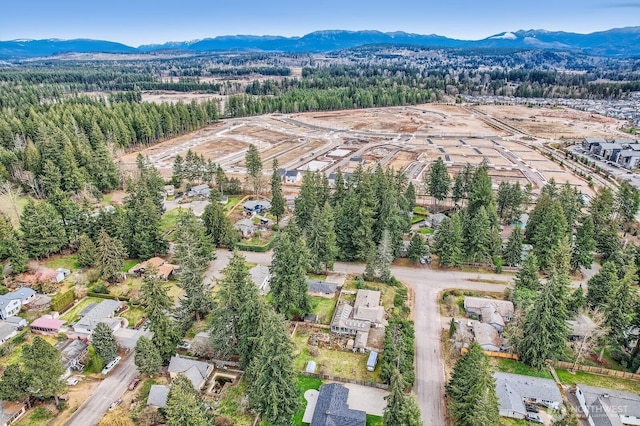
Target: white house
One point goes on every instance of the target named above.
(9, 305)
(607, 406)
(513, 390)
(292, 176)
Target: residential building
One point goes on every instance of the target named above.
(102, 312)
(433, 221)
(343, 323)
(196, 371)
(153, 263)
(9, 305)
(74, 354)
(246, 227)
(200, 191)
(6, 332)
(256, 206)
(608, 407)
(10, 412)
(158, 396)
(292, 176)
(579, 327)
(261, 277)
(486, 336)
(46, 325)
(608, 151)
(475, 305)
(332, 408)
(367, 307)
(322, 288)
(629, 159)
(169, 190)
(61, 274)
(514, 390)
(16, 322)
(588, 143)
(25, 294)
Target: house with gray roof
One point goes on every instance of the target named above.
(514, 389)
(25, 294)
(343, 322)
(608, 407)
(486, 336)
(74, 354)
(588, 143)
(367, 307)
(9, 305)
(322, 288)
(332, 409)
(246, 227)
(6, 332)
(196, 371)
(158, 396)
(102, 312)
(580, 327)
(292, 176)
(256, 206)
(16, 322)
(476, 305)
(261, 277)
(201, 191)
(10, 412)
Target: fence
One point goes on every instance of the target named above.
(598, 370)
(343, 380)
(505, 355)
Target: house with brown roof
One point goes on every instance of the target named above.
(10, 412)
(163, 269)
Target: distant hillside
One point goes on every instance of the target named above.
(615, 42)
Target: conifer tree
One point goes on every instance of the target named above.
(272, 390)
(233, 325)
(254, 167)
(217, 224)
(527, 283)
(619, 308)
(394, 411)
(289, 267)
(417, 248)
(600, 286)
(10, 247)
(438, 181)
(321, 240)
(104, 342)
(42, 230)
(448, 241)
(512, 254)
(184, 405)
(157, 306)
(583, 246)
(110, 256)
(87, 251)
(383, 259)
(277, 200)
(147, 357)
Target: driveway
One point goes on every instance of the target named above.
(111, 388)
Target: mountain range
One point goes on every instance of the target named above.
(622, 42)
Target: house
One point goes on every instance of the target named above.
(200, 191)
(608, 151)
(256, 206)
(6, 332)
(332, 178)
(261, 277)
(246, 227)
(358, 160)
(367, 307)
(16, 322)
(513, 390)
(196, 371)
(282, 172)
(322, 288)
(46, 325)
(169, 190)
(153, 263)
(102, 312)
(433, 221)
(332, 409)
(475, 305)
(588, 143)
(486, 336)
(10, 412)
(580, 327)
(292, 176)
(629, 159)
(9, 305)
(61, 274)
(343, 322)
(25, 294)
(372, 361)
(158, 396)
(74, 354)
(607, 406)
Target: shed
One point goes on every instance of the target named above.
(311, 367)
(372, 361)
(45, 325)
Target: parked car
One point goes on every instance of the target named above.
(72, 381)
(184, 345)
(114, 404)
(110, 366)
(531, 408)
(533, 418)
(133, 384)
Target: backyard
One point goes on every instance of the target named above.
(73, 314)
(323, 308)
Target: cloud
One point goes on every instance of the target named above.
(625, 5)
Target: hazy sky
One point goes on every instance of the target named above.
(136, 22)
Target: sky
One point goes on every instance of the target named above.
(136, 22)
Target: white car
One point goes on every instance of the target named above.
(72, 381)
(110, 366)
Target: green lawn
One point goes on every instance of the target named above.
(133, 315)
(230, 403)
(387, 292)
(416, 219)
(196, 328)
(324, 308)
(420, 210)
(69, 262)
(505, 421)
(128, 264)
(374, 420)
(426, 231)
(316, 277)
(73, 314)
(231, 204)
(169, 219)
(39, 416)
(303, 385)
(599, 381)
(512, 366)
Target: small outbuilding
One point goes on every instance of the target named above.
(372, 361)
(311, 367)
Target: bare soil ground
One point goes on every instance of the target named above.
(554, 123)
(170, 97)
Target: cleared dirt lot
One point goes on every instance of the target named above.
(554, 123)
(398, 137)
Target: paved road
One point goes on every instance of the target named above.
(111, 388)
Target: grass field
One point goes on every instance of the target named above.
(170, 219)
(230, 405)
(374, 420)
(69, 262)
(128, 264)
(303, 385)
(426, 231)
(133, 315)
(512, 366)
(73, 314)
(505, 421)
(323, 308)
(599, 381)
(40, 416)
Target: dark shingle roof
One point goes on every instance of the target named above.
(322, 287)
(332, 410)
